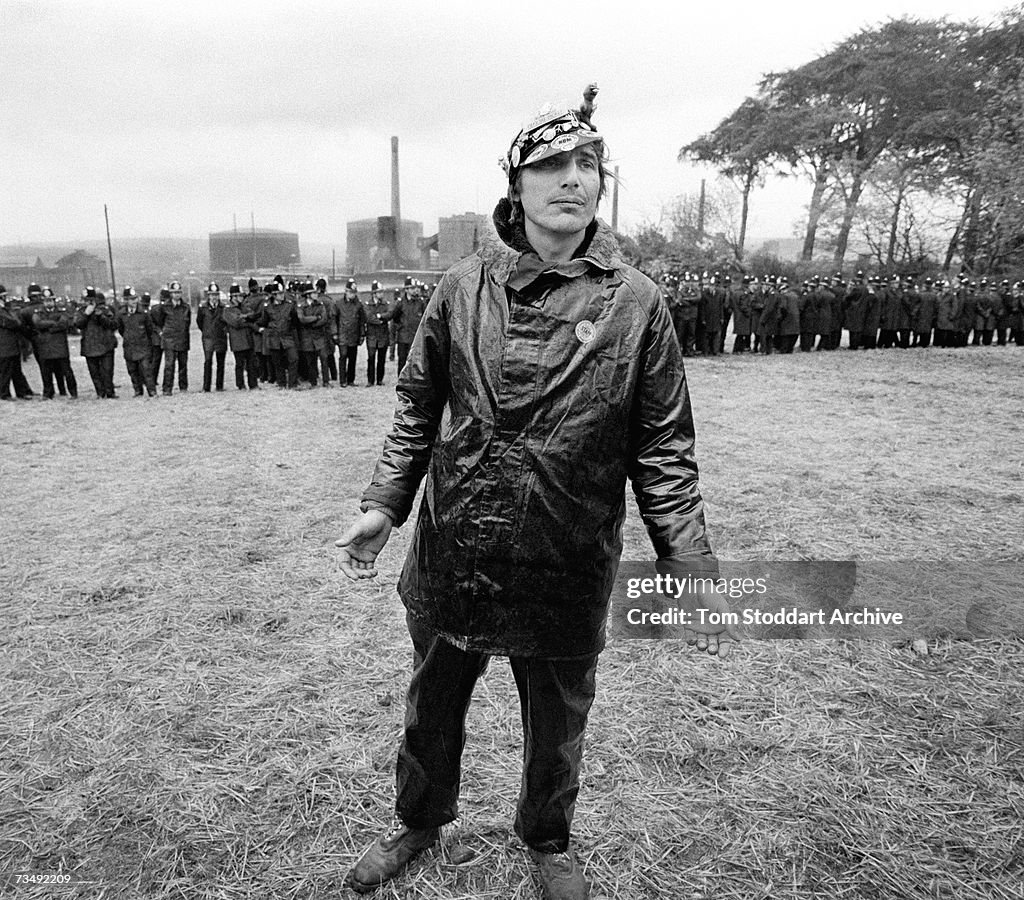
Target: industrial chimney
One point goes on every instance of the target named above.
(396, 206)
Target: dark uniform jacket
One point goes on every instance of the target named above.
(808, 312)
(350, 321)
(279, 325)
(214, 330)
(742, 319)
(986, 311)
(947, 310)
(855, 308)
(175, 323)
(241, 330)
(924, 311)
(98, 330)
(407, 315)
(314, 327)
(824, 302)
(376, 315)
(331, 308)
(52, 327)
(137, 330)
(11, 330)
(532, 393)
(968, 309)
(789, 308)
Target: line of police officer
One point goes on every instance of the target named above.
(288, 333)
(770, 315)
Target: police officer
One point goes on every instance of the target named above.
(377, 312)
(407, 315)
(174, 319)
(11, 331)
(136, 328)
(51, 327)
(314, 334)
(242, 338)
(98, 325)
(351, 321)
(210, 319)
(331, 329)
(924, 314)
(279, 324)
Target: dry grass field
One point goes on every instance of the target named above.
(196, 704)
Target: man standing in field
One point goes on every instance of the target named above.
(136, 330)
(557, 374)
(98, 324)
(351, 320)
(174, 320)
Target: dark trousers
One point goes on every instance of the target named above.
(174, 358)
(101, 371)
(141, 374)
(687, 334)
(922, 338)
(784, 343)
(886, 338)
(332, 363)
(806, 341)
(403, 355)
(313, 357)
(376, 359)
(208, 357)
(246, 367)
(555, 697)
(11, 374)
(712, 341)
(741, 343)
(285, 361)
(349, 357)
(59, 370)
(156, 357)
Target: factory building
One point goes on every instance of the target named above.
(68, 277)
(383, 243)
(254, 248)
(459, 236)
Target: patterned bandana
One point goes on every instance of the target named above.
(550, 132)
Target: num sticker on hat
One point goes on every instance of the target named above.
(565, 142)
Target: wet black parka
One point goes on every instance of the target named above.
(532, 393)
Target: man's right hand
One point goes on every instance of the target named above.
(361, 543)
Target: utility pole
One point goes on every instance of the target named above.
(110, 253)
(253, 214)
(234, 218)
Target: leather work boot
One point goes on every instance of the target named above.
(561, 877)
(387, 856)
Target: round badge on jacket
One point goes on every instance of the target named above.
(586, 331)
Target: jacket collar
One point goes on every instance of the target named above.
(511, 260)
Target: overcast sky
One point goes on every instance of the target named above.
(181, 114)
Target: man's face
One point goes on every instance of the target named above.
(176, 298)
(559, 194)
